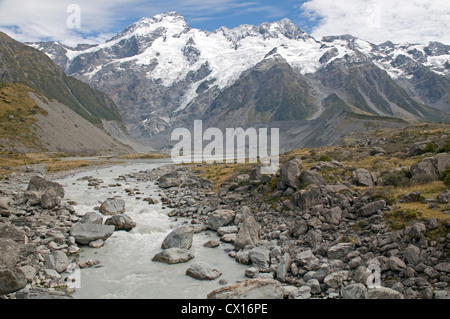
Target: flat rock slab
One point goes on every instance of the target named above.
(86, 233)
(174, 256)
(260, 288)
(202, 271)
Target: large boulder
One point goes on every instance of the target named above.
(260, 288)
(121, 222)
(220, 218)
(113, 206)
(86, 233)
(430, 169)
(57, 261)
(339, 250)
(181, 237)
(372, 208)
(248, 233)
(173, 256)
(290, 174)
(312, 177)
(418, 148)
(354, 291)
(363, 177)
(384, 293)
(9, 252)
(12, 232)
(169, 180)
(11, 280)
(307, 260)
(306, 199)
(202, 271)
(333, 215)
(260, 257)
(92, 218)
(41, 185)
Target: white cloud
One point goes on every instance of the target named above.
(414, 21)
(31, 20)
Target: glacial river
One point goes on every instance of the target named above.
(128, 271)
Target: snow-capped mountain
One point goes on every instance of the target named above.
(163, 74)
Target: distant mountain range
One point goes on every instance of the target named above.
(162, 75)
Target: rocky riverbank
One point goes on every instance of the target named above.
(300, 235)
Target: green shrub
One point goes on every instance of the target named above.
(430, 148)
(444, 148)
(325, 158)
(398, 179)
(446, 176)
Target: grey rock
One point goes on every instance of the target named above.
(11, 280)
(312, 177)
(411, 254)
(384, 293)
(50, 200)
(97, 243)
(181, 237)
(173, 256)
(121, 222)
(57, 261)
(10, 252)
(443, 267)
(248, 234)
(333, 215)
(444, 198)
(303, 292)
(314, 238)
(260, 257)
(314, 284)
(113, 206)
(41, 185)
(336, 279)
(259, 288)
(340, 250)
(363, 177)
(300, 228)
(372, 208)
(92, 218)
(354, 291)
(396, 264)
(306, 199)
(289, 174)
(307, 260)
(29, 272)
(202, 271)
(169, 180)
(410, 197)
(418, 148)
(220, 218)
(242, 214)
(9, 231)
(227, 230)
(283, 267)
(442, 294)
(251, 272)
(212, 243)
(430, 169)
(85, 233)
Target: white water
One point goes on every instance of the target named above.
(128, 271)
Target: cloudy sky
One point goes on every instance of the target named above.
(93, 21)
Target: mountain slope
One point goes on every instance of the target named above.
(29, 122)
(20, 63)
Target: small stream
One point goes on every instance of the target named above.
(128, 271)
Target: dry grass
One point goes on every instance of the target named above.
(423, 211)
(143, 156)
(60, 166)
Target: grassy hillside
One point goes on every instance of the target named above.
(21, 63)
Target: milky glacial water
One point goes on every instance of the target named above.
(128, 271)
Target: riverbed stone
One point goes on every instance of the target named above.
(203, 271)
(260, 288)
(220, 218)
(384, 293)
(92, 218)
(11, 280)
(113, 206)
(260, 257)
(173, 256)
(57, 261)
(41, 185)
(86, 233)
(248, 234)
(181, 237)
(121, 222)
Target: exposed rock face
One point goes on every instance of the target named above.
(113, 206)
(250, 289)
(363, 177)
(181, 238)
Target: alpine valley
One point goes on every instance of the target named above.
(162, 75)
